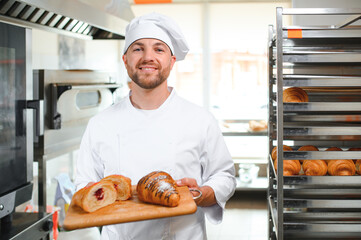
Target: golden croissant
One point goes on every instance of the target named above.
(295, 94)
(274, 151)
(341, 167)
(290, 167)
(313, 167)
(357, 161)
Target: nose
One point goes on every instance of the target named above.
(148, 55)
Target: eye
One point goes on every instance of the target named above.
(159, 50)
(137, 49)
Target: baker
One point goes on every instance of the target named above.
(155, 129)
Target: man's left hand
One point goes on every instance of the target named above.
(207, 199)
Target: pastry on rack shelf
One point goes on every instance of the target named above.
(258, 126)
(307, 148)
(340, 167)
(357, 161)
(295, 94)
(333, 149)
(290, 167)
(316, 167)
(274, 151)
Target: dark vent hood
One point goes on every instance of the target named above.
(89, 19)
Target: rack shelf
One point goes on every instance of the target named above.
(325, 61)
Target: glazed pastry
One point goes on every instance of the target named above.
(274, 151)
(122, 184)
(158, 188)
(357, 161)
(341, 167)
(95, 196)
(290, 167)
(295, 94)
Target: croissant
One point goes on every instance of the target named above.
(313, 167)
(122, 184)
(307, 148)
(290, 167)
(341, 167)
(96, 196)
(295, 94)
(257, 126)
(357, 161)
(274, 151)
(332, 149)
(158, 188)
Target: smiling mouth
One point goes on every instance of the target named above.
(147, 68)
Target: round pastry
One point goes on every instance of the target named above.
(295, 94)
(122, 184)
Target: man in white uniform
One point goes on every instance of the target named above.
(155, 129)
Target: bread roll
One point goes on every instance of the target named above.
(96, 196)
(158, 188)
(295, 94)
(122, 184)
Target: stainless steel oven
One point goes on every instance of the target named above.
(16, 136)
(71, 98)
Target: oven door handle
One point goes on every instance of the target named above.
(38, 105)
(57, 89)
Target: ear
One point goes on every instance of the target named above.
(173, 59)
(124, 57)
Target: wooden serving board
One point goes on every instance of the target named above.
(128, 211)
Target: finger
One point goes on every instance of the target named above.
(190, 182)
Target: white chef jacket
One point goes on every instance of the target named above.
(180, 138)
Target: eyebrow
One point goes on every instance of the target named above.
(155, 44)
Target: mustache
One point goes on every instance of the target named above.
(148, 63)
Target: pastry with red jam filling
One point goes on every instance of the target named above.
(95, 196)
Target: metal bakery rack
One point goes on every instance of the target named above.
(326, 62)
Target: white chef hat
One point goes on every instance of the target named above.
(158, 26)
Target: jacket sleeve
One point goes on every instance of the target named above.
(88, 165)
(218, 171)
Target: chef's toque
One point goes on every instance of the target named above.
(158, 26)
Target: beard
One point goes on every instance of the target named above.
(150, 81)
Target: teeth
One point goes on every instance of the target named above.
(147, 68)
